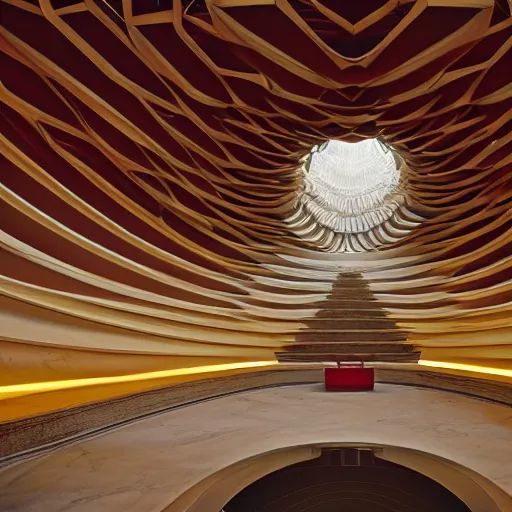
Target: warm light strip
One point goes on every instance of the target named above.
(467, 367)
(39, 387)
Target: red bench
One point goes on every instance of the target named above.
(349, 377)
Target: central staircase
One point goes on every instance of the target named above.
(350, 326)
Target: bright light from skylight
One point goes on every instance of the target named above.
(352, 188)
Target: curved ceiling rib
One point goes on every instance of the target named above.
(152, 163)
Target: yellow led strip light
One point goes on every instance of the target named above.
(40, 387)
(467, 367)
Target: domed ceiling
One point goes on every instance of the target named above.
(156, 212)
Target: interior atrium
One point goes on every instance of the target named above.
(256, 255)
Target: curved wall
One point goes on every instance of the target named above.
(150, 166)
(50, 421)
(151, 463)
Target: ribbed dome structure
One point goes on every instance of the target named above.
(155, 214)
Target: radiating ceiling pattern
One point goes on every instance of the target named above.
(354, 197)
(152, 161)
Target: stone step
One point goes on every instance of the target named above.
(351, 324)
(354, 336)
(292, 357)
(348, 348)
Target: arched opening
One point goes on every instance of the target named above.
(351, 477)
(348, 479)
